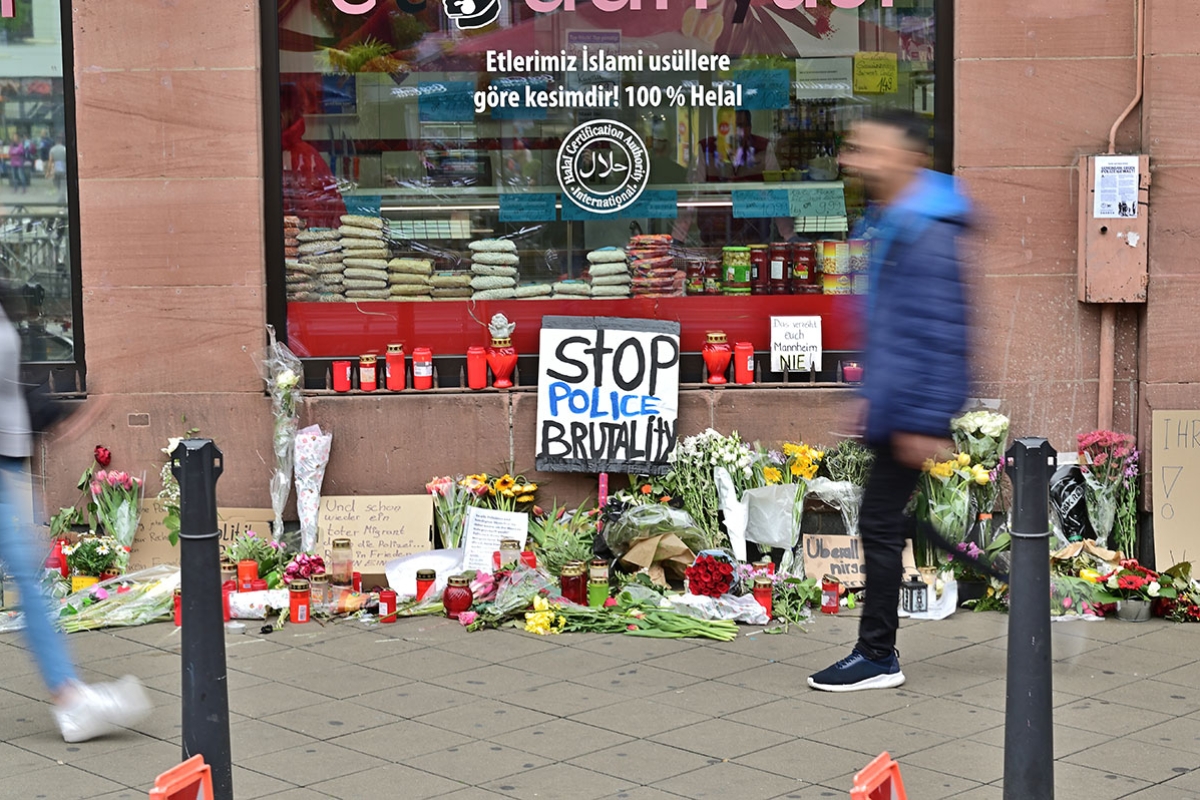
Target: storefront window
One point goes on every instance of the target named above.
(446, 159)
(36, 275)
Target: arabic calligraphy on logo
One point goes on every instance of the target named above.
(603, 166)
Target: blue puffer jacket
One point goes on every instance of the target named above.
(917, 348)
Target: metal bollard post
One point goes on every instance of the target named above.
(1029, 714)
(196, 464)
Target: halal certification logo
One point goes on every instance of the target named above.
(603, 166)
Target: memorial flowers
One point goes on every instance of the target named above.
(266, 552)
(282, 372)
(691, 477)
(451, 499)
(1108, 461)
(709, 576)
(1132, 581)
(92, 555)
(118, 499)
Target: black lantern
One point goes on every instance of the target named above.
(914, 595)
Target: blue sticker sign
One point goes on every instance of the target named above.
(653, 204)
(538, 207)
(764, 89)
(761, 204)
(365, 205)
(446, 101)
(817, 201)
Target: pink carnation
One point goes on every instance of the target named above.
(466, 617)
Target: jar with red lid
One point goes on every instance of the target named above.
(387, 606)
(425, 580)
(712, 276)
(760, 269)
(781, 268)
(763, 593)
(300, 601)
(805, 278)
(458, 596)
(368, 379)
(476, 367)
(422, 368)
(716, 354)
(395, 367)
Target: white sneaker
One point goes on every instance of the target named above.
(102, 708)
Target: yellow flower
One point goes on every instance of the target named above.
(505, 482)
(525, 498)
(528, 488)
(507, 492)
(796, 469)
(790, 449)
(772, 475)
(964, 459)
(540, 603)
(980, 475)
(1089, 575)
(928, 465)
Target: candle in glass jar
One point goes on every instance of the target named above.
(573, 584)
(178, 604)
(425, 579)
(341, 376)
(597, 593)
(458, 597)
(259, 585)
(247, 573)
(763, 593)
(318, 586)
(367, 380)
(598, 570)
(422, 368)
(387, 606)
(395, 367)
(476, 367)
(510, 552)
(300, 601)
(341, 562)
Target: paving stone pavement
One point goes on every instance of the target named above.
(422, 709)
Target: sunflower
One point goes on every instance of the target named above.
(505, 482)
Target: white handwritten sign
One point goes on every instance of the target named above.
(795, 344)
(152, 545)
(608, 394)
(380, 528)
(483, 532)
(1176, 487)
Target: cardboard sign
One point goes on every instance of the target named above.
(608, 394)
(876, 73)
(795, 344)
(484, 531)
(152, 545)
(379, 527)
(842, 557)
(1176, 483)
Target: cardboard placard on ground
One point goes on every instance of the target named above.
(152, 545)
(380, 527)
(1176, 487)
(842, 557)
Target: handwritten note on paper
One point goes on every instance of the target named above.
(1176, 493)
(152, 545)
(380, 527)
(842, 557)
(876, 73)
(484, 531)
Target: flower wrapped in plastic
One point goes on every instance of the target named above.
(311, 457)
(982, 435)
(138, 598)
(118, 499)
(1107, 460)
(282, 371)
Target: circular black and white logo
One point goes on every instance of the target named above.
(603, 166)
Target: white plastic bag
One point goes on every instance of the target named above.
(772, 519)
(728, 606)
(842, 495)
(255, 605)
(737, 512)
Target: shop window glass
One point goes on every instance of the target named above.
(37, 279)
(415, 134)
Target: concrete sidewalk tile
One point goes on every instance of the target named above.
(1151, 764)
(779, 679)
(720, 738)
(27, 719)
(637, 680)
(729, 780)
(1188, 782)
(1181, 734)
(478, 762)
(1084, 680)
(413, 699)
(562, 699)
(640, 718)
(932, 680)
(983, 661)
(1100, 715)
(867, 704)
(387, 780)
(147, 664)
(874, 736)
(122, 794)
(9, 699)
(425, 630)
(61, 783)
(641, 793)
(101, 645)
(253, 737)
(563, 737)
(1110, 630)
(1156, 695)
(245, 646)
(350, 680)
(1126, 660)
(923, 783)
(501, 645)
(980, 793)
(1173, 640)
(557, 782)
(642, 762)
(310, 763)
(15, 760)
(483, 719)
(1073, 782)
(945, 717)
(813, 792)
(426, 663)
(32, 687)
(818, 659)
(295, 663)
(1181, 676)
(494, 681)
(714, 664)
(564, 663)
(401, 740)
(972, 627)
(795, 717)
(291, 794)
(157, 634)
(1067, 740)
(633, 648)
(50, 745)
(362, 648)
(775, 647)
(805, 760)
(703, 698)
(964, 758)
(330, 720)
(994, 695)
(269, 698)
(920, 644)
(16, 661)
(137, 765)
(832, 629)
(249, 784)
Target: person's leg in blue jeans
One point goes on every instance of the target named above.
(20, 551)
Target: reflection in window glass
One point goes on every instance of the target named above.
(413, 141)
(35, 253)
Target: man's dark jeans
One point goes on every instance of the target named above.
(883, 528)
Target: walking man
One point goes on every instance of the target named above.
(916, 358)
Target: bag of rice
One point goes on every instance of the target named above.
(292, 221)
(361, 244)
(297, 267)
(610, 291)
(423, 298)
(611, 280)
(488, 269)
(411, 266)
(498, 259)
(358, 283)
(606, 255)
(367, 274)
(408, 291)
(360, 233)
(305, 297)
(601, 270)
(328, 269)
(322, 235)
(291, 252)
(495, 294)
(326, 258)
(400, 279)
(331, 279)
(493, 246)
(367, 294)
(319, 248)
(451, 280)
(359, 221)
(484, 282)
(533, 290)
(366, 263)
(572, 288)
(449, 294)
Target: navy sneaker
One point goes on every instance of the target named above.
(856, 671)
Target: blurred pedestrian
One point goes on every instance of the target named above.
(81, 711)
(57, 164)
(916, 364)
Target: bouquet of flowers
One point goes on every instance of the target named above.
(1108, 460)
(311, 456)
(92, 555)
(981, 435)
(506, 492)
(451, 499)
(709, 576)
(267, 553)
(1184, 606)
(282, 372)
(691, 477)
(1132, 581)
(118, 499)
(944, 499)
(83, 512)
(303, 566)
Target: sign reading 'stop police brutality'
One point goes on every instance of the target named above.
(608, 394)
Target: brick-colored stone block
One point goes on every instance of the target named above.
(1172, 98)
(172, 232)
(1172, 352)
(771, 416)
(1171, 27)
(1037, 29)
(223, 33)
(1174, 226)
(153, 124)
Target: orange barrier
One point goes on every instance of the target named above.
(191, 780)
(879, 780)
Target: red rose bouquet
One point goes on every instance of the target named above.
(709, 576)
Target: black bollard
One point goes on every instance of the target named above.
(196, 464)
(1028, 713)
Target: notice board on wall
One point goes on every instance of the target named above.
(1176, 487)
(608, 394)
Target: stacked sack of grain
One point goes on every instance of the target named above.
(321, 263)
(494, 269)
(452, 285)
(364, 257)
(409, 278)
(653, 266)
(609, 272)
(292, 226)
(573, 289)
